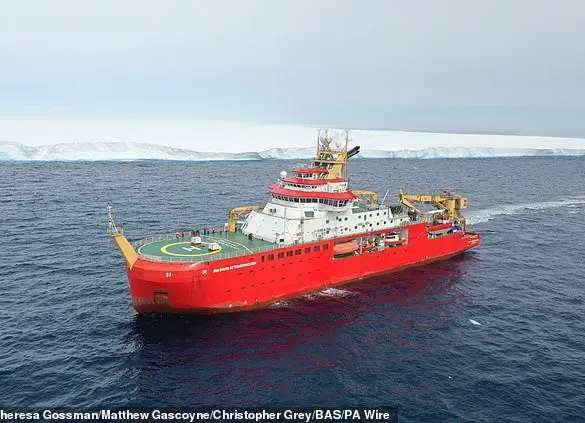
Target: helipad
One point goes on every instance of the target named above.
(174, 248)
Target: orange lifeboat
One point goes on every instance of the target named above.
(347, 247)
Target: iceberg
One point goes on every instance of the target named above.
(125, 151)
(110, 151)
(43, 139)
(468, 152)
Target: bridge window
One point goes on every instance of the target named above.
(270, 256)
(280, 255)
(297, 252)
(326, 246)
(316, 249)
(289, 253)
(308, 250)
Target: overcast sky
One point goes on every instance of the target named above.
(364, 63)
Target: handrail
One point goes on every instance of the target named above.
(195, 259)
(219, 256)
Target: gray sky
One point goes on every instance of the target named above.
(367, 63)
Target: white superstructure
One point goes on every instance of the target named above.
(316, 203)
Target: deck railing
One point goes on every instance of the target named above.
(218, 256)
(140, 243)
(195, 259)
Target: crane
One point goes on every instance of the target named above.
(451, 203)
(238, 212)
(366, 195)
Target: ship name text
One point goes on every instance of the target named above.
(235, 266)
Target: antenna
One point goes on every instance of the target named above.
(345, 152)
(112, 229)
(386, 198)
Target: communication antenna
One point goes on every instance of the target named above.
(112, 228)
(386, 199)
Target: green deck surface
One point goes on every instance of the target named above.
(232, 244)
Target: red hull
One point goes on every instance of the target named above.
(253, 281)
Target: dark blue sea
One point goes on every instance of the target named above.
(497, 334)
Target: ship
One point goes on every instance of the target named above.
(313, 233)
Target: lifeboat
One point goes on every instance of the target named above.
(344, 248)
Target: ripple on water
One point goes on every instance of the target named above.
(494, 335)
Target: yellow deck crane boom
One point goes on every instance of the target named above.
(451, 203)
(236, 213)
(366, 195)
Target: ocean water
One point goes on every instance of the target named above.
(497, 334)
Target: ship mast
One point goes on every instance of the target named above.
(331, 157)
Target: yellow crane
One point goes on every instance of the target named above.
(236, 213)
(451, 203)
(367, 196)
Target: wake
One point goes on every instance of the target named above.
(329, 293)
(482, 216)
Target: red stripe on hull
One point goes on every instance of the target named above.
(253, 281)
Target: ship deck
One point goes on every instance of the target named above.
(169, 248)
